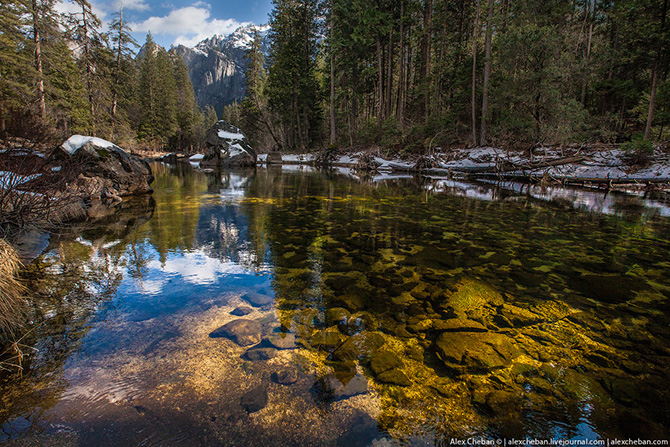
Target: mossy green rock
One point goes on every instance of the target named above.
(384, 361)
(473, 352)
(458, 325)
(394, 377)
(361, 346)
(335, 315)
(472, 295)
(327, 339)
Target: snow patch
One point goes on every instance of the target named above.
(196, 157)
(230, 135)
(12, 180)
(76, 141)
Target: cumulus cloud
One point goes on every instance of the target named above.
(103, 9)
(190, 24)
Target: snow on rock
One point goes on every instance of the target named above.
(75, 142)
(227, 146)
(230, 135)
(196, 157)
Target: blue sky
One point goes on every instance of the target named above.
(173, 22)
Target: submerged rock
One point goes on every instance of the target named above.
(609, 288)
(258, 299)
(241, 311)
(361, 346)
(475, 352)
(281, 341)
(255, 399)
(241, 331)
(285, 376)
(394, 377)
(327, 339)
(330, 387)
(256, 354)
(458, 325)
(227, 146)
(384, 361)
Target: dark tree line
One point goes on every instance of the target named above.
(413, 74)
(60, 75)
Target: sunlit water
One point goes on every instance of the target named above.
(405, 312)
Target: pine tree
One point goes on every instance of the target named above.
(16, 75)
(84, 30)
(293, 90)
(255, 117)
(122, 42)
(188, 112)
(158, 98)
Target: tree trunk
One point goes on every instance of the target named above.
(473, 102)
(426, 44)
(333, 135)
(654, 75)
(89, 68)
(401, 74)
(487, 74)
(389, 75)
(117, 77)
(380, 90)
(38, 63)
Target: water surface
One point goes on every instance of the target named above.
(406, 312)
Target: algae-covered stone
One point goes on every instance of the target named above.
(335, 315)
(241, 331)
(358, 322)
(514, 316)
(394, 377)
(360, 346)
(459, 325)
(384, 361)
(471, 296)
(331, 388)
(475, 352)
(327, 339)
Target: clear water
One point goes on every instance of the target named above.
(407, 312)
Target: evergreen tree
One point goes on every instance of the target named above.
(293, 90)
(94, 55)
(122, 42)
(255, 117)
(158, 99)
(16, 75)
(188, 112)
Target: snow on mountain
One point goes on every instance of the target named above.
(217, 65)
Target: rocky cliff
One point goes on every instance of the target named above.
(217, 65)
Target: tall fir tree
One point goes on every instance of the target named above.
(293, 90)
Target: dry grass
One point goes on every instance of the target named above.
(11, 290)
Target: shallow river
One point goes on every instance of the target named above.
(401, 312)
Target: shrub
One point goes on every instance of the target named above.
(11, 290)
(638, 151)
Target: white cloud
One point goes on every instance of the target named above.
(102, 9)
(190, 24)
